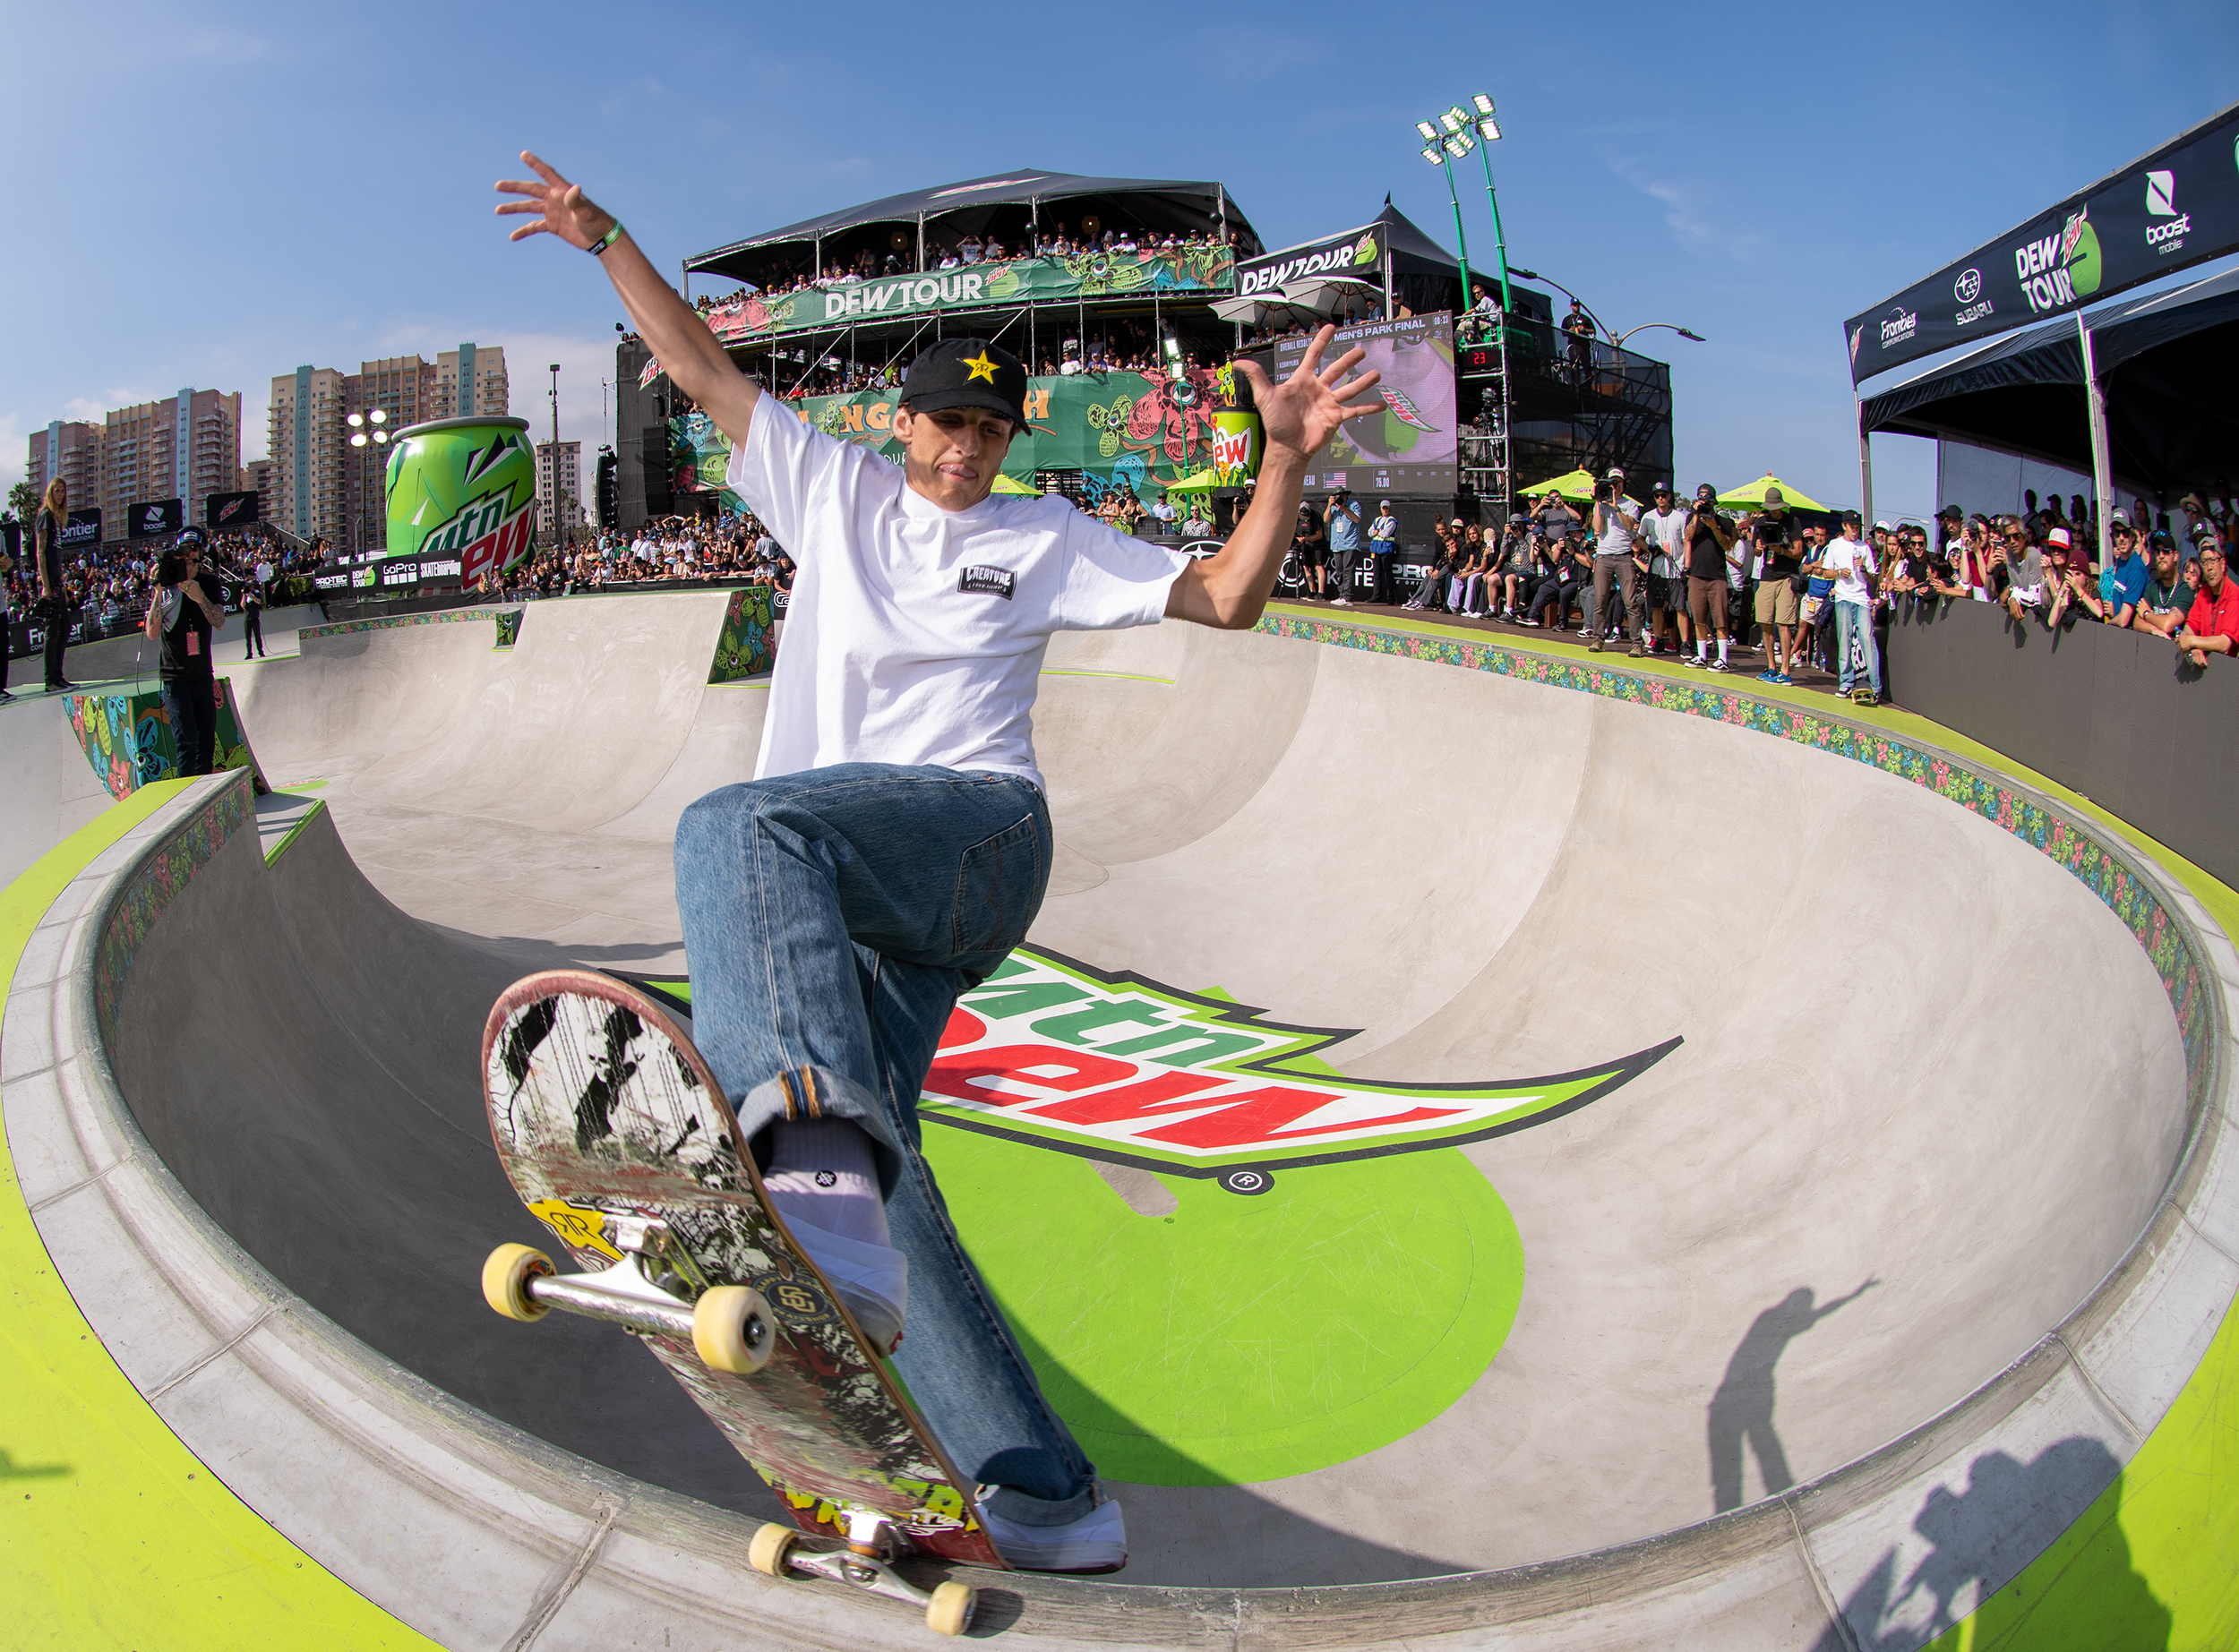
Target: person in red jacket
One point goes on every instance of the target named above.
(2213, 625)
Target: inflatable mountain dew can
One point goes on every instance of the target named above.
(462, 496)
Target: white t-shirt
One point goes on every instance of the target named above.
(1665, 528)
(1854, 560)
(915, 635)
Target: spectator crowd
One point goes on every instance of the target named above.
(1796, 590)
(105, 590)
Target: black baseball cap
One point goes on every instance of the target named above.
(967, 372)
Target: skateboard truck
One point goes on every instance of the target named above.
(653, 1289)
(866, 1564)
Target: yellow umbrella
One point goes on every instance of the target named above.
(1752, 494)
(1578, 484)
(1005, 484)
(1204, 481)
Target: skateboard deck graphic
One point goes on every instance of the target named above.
(606, 1119)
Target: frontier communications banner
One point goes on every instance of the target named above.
(2177, 207)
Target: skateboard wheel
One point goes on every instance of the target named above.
(949, 1612)
(731, 1330)
(772, 1543)
(505, 1280)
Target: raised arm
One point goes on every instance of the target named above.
(1229, 589)
(693, 358)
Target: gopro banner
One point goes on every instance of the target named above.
(2177, 207)
(83, 532)
(229, 509)
(147, 518)
(1348, 254)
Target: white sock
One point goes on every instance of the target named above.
(823, 1171)
(1721, 651)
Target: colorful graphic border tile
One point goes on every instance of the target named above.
(155, 884)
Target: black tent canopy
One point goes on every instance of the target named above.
(2163, 362)
(1007, 205)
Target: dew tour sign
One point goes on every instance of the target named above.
(2175, 207)
(1356, 252)
(1114, 1067)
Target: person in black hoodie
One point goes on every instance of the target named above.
(183, 618)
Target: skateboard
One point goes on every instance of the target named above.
(1865, 697)
(618, 1140)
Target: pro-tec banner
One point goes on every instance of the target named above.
(1356, 252)
(229, 509)
(145, 518)
(2177, 207)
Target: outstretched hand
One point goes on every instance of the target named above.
(1302, 413)
(562, 208)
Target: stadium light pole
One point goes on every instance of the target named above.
(1443, 149)
(1489, 134)
(559, 527)
(366, 433)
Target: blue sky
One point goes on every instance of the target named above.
(210, 198)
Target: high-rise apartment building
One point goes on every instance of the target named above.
(559, 488)
(309, 496)
(256, 477)
(186, 447)
(470, 382)
(71, 449)
(401, 389)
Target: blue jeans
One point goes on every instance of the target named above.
(832, 918)
(1854, 620)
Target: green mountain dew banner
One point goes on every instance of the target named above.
(1132, 428)
(128, 740)
(1039, 280)
(1036, 280)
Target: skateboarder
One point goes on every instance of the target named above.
(895, 843)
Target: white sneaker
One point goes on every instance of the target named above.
(1096, 1542)
(1339, 602)
(872, 1280)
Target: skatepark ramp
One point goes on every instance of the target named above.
(1720, 1174)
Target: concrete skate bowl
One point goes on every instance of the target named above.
(1815, 1327)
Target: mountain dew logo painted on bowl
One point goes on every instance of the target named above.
(464, 488)
(1365, 1282)
(1050, 1052)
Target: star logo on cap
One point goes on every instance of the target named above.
(982, 366)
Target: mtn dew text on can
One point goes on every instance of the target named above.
(464, 489)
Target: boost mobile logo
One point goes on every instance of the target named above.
(2161, 201)
(1117, 1068)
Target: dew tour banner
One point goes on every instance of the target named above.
(1118, 1068)
(1409, 451)
(1131, 429)
(223, 511)
(1359, 254)
(1026, 280)
(2177, 207)
(146, 519)
(459, 493)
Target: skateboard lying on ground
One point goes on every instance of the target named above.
(618, 1138)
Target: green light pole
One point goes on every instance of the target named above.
(1443, 150)
(1488, 130)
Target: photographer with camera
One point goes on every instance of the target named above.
(1614, 529)
(1780, 579)
(183, 618)
(1709, 538)
(1343, 514)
